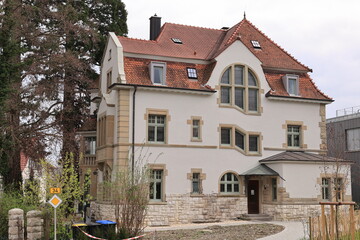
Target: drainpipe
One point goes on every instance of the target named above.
(133, 137)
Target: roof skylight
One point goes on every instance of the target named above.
(192, 73)
(176, 40)
(255, 44)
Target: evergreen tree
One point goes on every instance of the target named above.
(48, 50)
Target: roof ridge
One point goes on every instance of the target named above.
(316, 87)
(137, 39)
(185, 25)
(238, 25)
(277, 45)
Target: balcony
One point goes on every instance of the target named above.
(89, 160)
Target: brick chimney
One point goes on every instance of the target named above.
(155, 24)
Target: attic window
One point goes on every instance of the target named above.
(176, 40)
(192, 73)
(255, 44)
(291, 84)
(158, 73)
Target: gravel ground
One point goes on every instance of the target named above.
(240, 232)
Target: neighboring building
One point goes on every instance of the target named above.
(343, 133)
(236, 122)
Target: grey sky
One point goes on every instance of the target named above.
(322, 34)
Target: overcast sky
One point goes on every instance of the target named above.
(322, 34)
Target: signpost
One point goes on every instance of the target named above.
(55, 190)
(55, 201)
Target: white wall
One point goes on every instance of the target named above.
(215, 162)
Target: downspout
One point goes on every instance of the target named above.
(133, 137)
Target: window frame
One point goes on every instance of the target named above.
(90, 144)
(232, 183)
(156, 125)
(274, 195)
(153, 182)
(158, 167)
(108, 80)
(326, 189)
(355, 147)
(286, 81)
(292, 134)
(233, 89)
(152, 67)
(192, 73)
(246, 134)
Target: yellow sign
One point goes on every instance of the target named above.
(55, 201)
(54, 190)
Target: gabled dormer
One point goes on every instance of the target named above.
(291, 84)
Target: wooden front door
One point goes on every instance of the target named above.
(253, 196)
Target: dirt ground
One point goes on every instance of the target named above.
(240, 232)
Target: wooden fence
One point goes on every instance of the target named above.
(341, 222)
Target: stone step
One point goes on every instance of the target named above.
(256, 217)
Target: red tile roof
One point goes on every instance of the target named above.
(205, 44)
(137, 72)
(307, 88)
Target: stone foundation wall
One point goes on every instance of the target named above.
(296, 211)
(184, 209)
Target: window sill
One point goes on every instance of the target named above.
(254, 113)
(230, 195)
(197, 195)
(157, 203)
(196, 140)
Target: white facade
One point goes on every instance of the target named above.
(179, 154)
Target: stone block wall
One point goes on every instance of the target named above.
(16, 224)
(34, 226)
(184, 209)
(296, 211)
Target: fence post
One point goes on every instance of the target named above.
(323, 223)
(352, 222)
(16, 224)
(310, 226)
(332, 222)
(34, 227)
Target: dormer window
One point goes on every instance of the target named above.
(158, 73)
(291, 84)
(191, 72)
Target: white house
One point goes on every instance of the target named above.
(237, 122)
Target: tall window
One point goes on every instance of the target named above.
(293, 136)
(196, 183)
(226, 136)
(156, 178)
(239, 140)
(291, 84)
(274, 189)
(240, 88)
(156, 128)
(338, 188)
(325, 189)
(90, 145)
(353, 139)
(108, 80)
(158, 73)
(229, 184)
(196, 129)
(253, 143)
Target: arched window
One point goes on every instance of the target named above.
(229, 184)
(240, 88)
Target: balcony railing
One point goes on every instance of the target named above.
(89, 160)
(347, 111)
